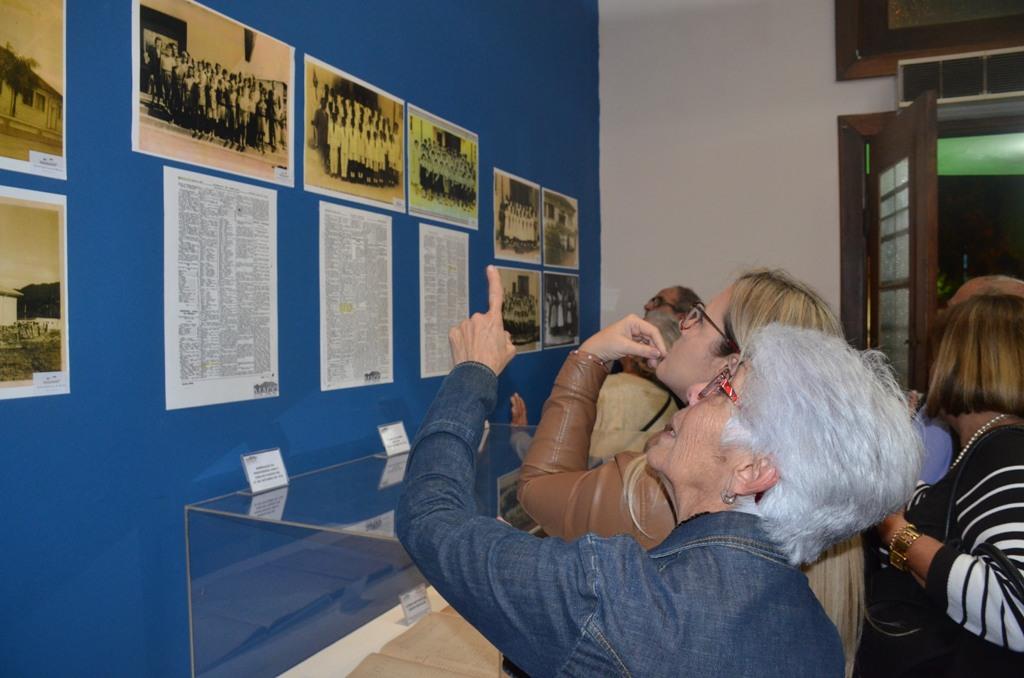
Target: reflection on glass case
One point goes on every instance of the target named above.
(276, 577)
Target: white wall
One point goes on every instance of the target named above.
(718, 143)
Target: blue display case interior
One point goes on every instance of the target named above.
(276, 577)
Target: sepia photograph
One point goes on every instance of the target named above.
(561, 309)
(33, 294)
(443, 170)
(509, 508)
(516, 218)
(520, 307)
(354, 138)
(211, 91)
(561, 230)
(32, 87)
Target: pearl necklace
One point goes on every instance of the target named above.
(977, 434)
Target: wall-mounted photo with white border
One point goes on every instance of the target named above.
(561, 230)
(354, 138)
(444, 164)
(561, 309)
(210, 91)
(33, 294)
(32, 87)
(516, 218)
(520, 307)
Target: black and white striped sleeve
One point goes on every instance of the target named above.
(974, 587)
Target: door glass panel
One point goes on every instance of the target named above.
(894, 256)
(894, 329)
(902, 169)
(894, 266)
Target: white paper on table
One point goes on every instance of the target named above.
(382, 525)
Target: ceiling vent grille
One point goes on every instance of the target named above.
(977, 76)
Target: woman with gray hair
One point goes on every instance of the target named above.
(770, 463)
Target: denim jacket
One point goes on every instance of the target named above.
(716, 598)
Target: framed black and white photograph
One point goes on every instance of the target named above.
(561, 309)
(33, 294)
(32, 105)
(561, 230)
(355, 143)
(520, 307)
(210, 91)
(516, 218)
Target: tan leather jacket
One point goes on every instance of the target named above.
(558, 491)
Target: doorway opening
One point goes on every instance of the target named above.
(981, 209)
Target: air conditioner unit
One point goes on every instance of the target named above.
(972, 76)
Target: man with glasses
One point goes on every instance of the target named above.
(677, 300)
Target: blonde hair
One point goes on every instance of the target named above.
(764, 296)
(979, 366)
(761, 297)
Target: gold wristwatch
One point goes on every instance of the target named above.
(900, 544)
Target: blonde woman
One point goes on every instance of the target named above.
(623, 496)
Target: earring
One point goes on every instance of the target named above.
(728, 497)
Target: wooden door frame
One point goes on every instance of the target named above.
(854, 133)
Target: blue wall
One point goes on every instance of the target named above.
(92, 570)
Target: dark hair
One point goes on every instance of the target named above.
(687, 298)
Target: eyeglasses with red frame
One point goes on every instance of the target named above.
(722, 383)
(698, 313)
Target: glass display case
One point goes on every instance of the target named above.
(276, 577)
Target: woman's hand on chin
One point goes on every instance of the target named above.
(631, 336)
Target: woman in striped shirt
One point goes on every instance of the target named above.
(952, 601)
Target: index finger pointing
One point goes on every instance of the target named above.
(495, 293)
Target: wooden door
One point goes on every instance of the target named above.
(901, 205)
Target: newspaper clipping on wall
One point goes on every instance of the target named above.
(220, 290)
(355, 298)
(33, 294)
(444, 294)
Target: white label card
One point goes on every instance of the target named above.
(46, 163)
(265, 470)
(415, 604)
(394, 471)
(50, 381)
(269, 505)
(394, 438)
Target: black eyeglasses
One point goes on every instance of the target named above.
(698, 313)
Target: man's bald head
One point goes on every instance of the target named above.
(988, 284)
